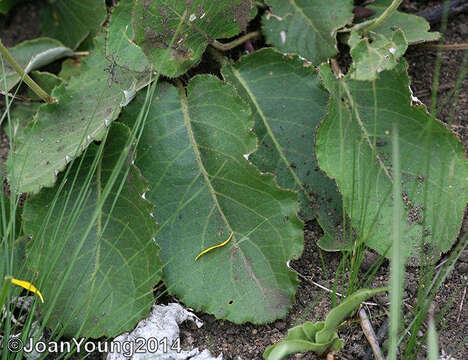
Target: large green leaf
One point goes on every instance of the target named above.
(116, 264)
(86, 106)
(71, 21)
(354, 146)
(31, 55)
(306, 27)
(288, 104)
(174, 34)
(415, 27)
(119, 44)
(204, 189)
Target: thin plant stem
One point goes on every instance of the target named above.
(388, 11)
(18, 97)
(231, 45)
(260, 4)
(435, 83)
(445, 46)
(26, 78)
(217, 56)
(432, 339)
(81, 53)
(454, 93)
(373, 23)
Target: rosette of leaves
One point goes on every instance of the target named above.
(322, 335)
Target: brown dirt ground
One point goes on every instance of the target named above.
(312, 303)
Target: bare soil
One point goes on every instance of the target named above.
(313, 303)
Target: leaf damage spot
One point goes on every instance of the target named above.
(283, 36)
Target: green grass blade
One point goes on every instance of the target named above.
(398, 258)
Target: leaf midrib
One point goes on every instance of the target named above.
(196, 151)
(269, 130)
(187, 121)
(308, 19)
(363, 129)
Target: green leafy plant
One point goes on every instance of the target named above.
(322, 335)
(6, 5)
(160, 139)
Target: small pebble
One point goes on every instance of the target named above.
(382, 299)
(464, 256)
(463, 28)
(462, 267)
(368, 260)
(280, 325)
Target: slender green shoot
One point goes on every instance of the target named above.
(397, 267)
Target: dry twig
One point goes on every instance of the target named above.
(461, 304)
(370, 334)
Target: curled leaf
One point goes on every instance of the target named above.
(32, 55)
(322, 335)
(339, 313)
